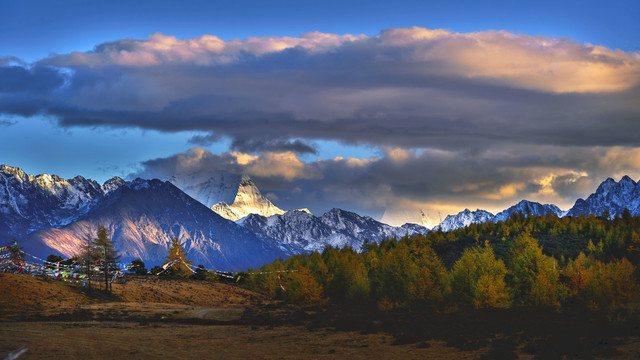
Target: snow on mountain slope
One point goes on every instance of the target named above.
(29, 203)
(208, 188)
(112, 184)
(248, 200)
(463, 219)
(610, 196)
(145, 215)
(303, 232)
(528, 208)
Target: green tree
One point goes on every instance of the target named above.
(156, 270)
(347, 275)
(106, 254)
(53, 259)
(533, 277)
(477, 279)
(137, 265)
(178, 258)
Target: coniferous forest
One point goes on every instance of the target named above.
(589, 262)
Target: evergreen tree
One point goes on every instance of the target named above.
(106, 253)
(88, 256)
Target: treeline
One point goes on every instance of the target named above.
(523, 261)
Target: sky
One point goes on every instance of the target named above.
(383, 108)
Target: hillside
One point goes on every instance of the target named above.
(22, 295)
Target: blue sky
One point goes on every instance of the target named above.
(515, 99)
(33, 29)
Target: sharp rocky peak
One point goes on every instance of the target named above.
(612, 197)
(245, 180)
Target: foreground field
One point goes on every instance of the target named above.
(148, 317)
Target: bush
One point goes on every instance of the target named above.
(138, 267)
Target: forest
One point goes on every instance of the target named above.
(536, 261)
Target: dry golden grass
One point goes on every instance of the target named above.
(154, 318)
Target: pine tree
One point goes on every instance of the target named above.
(89, 255)
(178, 256)
(106, 253)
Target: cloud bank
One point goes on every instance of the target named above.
(411, 87)
(438, 182)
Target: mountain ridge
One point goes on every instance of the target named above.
(305, 232)
(142, 218)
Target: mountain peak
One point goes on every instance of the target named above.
(627, 181)
(612, 197)
(209, 188)
(527, 207)
(464, 218)
(248, 200)
(245, 180)
(112, 184)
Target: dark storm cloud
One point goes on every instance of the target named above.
(262, 144)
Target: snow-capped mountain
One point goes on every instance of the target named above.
(248, 200)
(144, 215)
(610, 196)
(528, 208)
(208, 188)
(231, 196)
(303, 232)
(112, 184)
(464, 218)
(29, 203)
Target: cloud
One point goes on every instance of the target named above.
(478, 119)
(438, 182)
(403, 88)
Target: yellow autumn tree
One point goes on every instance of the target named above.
(178, 259)
(477, 279)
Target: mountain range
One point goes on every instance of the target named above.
(144, 215)
(53, 215)
(304, 232)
